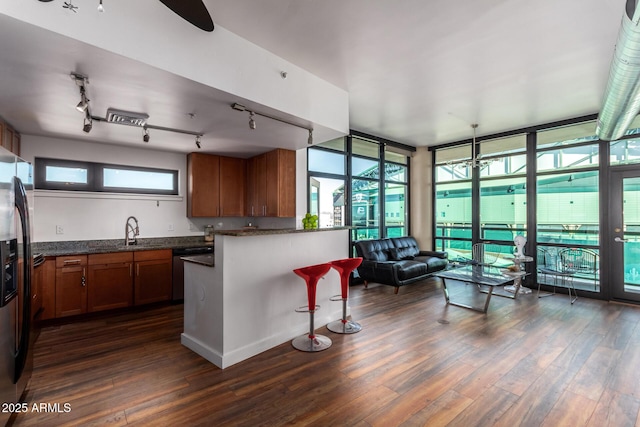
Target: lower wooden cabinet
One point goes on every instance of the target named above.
(153, 276)
(71, 285)
(98, 282)
(110, 281)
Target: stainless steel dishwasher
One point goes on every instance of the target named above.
(177, 293)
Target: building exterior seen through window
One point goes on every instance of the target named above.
(360, 182)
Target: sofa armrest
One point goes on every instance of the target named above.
(437, 254)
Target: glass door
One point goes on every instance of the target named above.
(625, 235)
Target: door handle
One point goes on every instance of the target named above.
(620, 240)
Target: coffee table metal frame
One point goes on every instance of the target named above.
(484, 275)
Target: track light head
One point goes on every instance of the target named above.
(198, 141)
(88, 124)
(252, 123)
(100, 7)
(82, 106)
(146, 137)
(310, 139)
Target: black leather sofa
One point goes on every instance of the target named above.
(397, 261)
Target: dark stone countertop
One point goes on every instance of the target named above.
(270, 231)
(86, 247)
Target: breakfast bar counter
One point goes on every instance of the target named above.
(243, 304)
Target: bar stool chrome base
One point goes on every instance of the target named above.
(341, 327)
(317, 343)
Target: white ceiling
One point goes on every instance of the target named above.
(417, 72)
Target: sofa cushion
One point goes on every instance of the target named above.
(408, 269)
(436, 264)
(398, 254)
(374, 250)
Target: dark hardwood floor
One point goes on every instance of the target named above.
(417, 362)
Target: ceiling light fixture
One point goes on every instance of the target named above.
(252, 124)
(198, 141)
(84, 102)
(100, 7)
(88, 124)
(476, 160)
(120, 117)
(69, 5)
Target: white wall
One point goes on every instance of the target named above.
(95, 216)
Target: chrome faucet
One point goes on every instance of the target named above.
(130, 229)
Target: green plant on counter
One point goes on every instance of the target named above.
(310, 221)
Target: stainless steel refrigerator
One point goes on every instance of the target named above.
(16, 198)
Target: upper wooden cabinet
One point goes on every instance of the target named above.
(216, 185)
(9, 138)
(271, 184)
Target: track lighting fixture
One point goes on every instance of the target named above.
(84, 102)
(100, 7)
(252, 123)
(120, 117)
(88, 124)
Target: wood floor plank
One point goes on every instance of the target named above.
(528, 362)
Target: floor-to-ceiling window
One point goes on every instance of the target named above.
(363, 182)
(568, 202)
(327, 172)
(543, 183)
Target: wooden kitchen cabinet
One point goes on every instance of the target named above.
(48, 288)
(110, 281)
(203, 182)
(271, 184)
(71, 285)
(216, 185)
(9, 137)
(232, 178)
(153, 276)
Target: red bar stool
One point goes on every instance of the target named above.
(311, 342)
(344, 267)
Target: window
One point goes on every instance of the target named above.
(57, 174)
(371, 195)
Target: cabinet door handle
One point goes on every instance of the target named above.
(137, 269)
(251, 210)
(72, 261)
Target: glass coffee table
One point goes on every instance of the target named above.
(482, 275)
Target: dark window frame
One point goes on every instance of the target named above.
(95, 177)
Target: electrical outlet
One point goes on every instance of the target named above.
(59, 229)
(170, 228)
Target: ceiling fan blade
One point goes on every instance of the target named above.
(193, 11)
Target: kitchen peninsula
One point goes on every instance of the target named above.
(244, 303)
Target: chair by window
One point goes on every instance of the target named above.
(549, 264)
(582, 262)
(485, 254)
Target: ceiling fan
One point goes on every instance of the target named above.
(194, 11)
